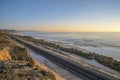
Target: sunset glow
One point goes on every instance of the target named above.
(61, 15)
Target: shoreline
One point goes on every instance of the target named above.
(84, 53)
(80, 40)
(57, 54)
(87, 49)
(91, 63)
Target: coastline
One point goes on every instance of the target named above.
(92, 62)
(82, 52)
(100, 43)
(63, 56)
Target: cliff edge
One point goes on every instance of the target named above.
(17, 64)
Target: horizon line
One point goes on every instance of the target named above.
(65, 31)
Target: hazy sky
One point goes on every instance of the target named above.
(60, 15)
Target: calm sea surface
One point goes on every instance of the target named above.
(102, 43)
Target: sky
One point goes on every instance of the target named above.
(61, 15)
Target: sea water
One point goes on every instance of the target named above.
(105, 43)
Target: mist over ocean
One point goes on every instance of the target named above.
(105, 43)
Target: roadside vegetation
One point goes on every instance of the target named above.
(108, 61)
(104, 60)
(17, 64)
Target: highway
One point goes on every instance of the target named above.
(77, 70)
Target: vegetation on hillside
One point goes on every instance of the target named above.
(20, 66)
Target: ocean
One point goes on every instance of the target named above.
(105, 43)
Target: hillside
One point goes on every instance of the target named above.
(17, 64)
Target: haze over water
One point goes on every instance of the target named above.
(99, 42)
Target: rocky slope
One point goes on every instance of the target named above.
(17, 64)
